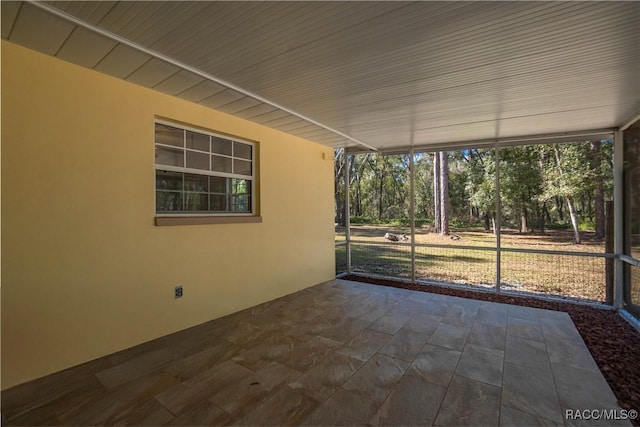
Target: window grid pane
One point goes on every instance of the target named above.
(169, 156)
(169, 135)
(184, 192)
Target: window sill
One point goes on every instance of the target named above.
(200, 220)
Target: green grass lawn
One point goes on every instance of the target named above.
(460, 262)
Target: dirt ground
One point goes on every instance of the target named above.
(454, 259)
(559, 240)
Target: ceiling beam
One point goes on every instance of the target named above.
(502, 142)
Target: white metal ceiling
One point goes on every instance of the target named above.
(388, 74)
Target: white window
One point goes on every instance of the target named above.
(201, 173)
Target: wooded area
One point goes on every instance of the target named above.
(551, 186)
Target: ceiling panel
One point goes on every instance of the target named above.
(8, 14)
(239, 105)
(387, 73)
(89, 11)
(222, 98)
(201, 91)
(122, 61)
(267, 117)
(297, 126)
(256, 111)
(39, 30)
(85, 48)
(179, 82)
(282, 121)
(152, 73)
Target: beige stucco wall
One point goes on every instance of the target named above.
(85, 272)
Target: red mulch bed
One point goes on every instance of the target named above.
(613, 342)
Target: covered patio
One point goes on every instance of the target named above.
(339, 353)
(168, 243)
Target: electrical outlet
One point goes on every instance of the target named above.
(178, 292)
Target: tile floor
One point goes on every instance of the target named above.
(340, 353)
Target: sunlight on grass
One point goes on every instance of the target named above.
(459, 262)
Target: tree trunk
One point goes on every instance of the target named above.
(523, 220)
(546, 212)
(596, 167)
(436, 191)
(570, 204)
(574, 220)
(542, 214)
(358, 210)
(524, 225)
(493, 223)
(487, 226)
(340, 211)
(559, 207)
(380, 190)
(444, 192)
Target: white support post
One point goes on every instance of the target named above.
(498, 219)
(618, 218)
(412, 213)
(347, 209)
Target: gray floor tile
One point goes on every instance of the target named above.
(203, 414)
(530, 390)
(469, 403)
(450, 336)
(437, 307)
(377, 377)
(400, 408)
(323, 379)
(135, 367)
(149, 413)
(309, 354)
(513, 417)
(571, 353)
(271, 349)
(488, 335)
(435, 364)
(405, 344)
(241, 333)
(372, 313)
(365, 344)
(423, 323)
(240, 396)
(38, 402)
(553, 314)
(524, 328)
(391, 322)
(420, 296)
(560, 328)
(580, 389)
(492, 315)
(411, 306)
(481, 364)
(286, 407)
(525, 313)
(462, 315)
(345, 329)
(195, 364)
(343, 408)
(526, 352)
(119, 402)
(186, 394)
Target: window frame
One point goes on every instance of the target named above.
(206, 217)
